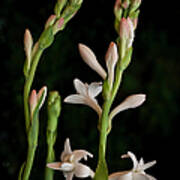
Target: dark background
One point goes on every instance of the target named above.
(150, 131)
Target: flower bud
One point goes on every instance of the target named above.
(59, 7)
(54, 108)
(118, 10)
(135, 5)
(111, 60)
(50, 21)
(28, 43)
(46, 38)
(126, 34)
(59, 25)
(36, 100)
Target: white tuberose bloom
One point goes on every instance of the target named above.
(86, 95)
(70, 165)
(137, 172)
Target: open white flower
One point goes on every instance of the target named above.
(137, 172)
(86, 95)
(70, 165)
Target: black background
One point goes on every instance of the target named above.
(149, 131)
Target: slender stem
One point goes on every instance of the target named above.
(29, 162)
(50, 157)
(28, 84)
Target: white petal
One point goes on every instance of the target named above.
(148, 165)
(90, 59)
(75, 99)
(83, 171)
(54, 165)
(94, 89)
(124, 175)
(77, 155)
(132, 101)
(67, 150)
(80, 87)
(133, 158)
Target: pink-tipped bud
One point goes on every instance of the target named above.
(33, 101)
(111, 60)
(59, 25)
(36, 97)
(127, 31)
(126, 4)
(50, 21)
(28, 43)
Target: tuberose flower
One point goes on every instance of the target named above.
(70, 165)
(137, 172)
(86, 95)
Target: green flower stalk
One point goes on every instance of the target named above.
(53, 109)
(118, 58)
(64, 11)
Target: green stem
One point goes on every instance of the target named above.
(50, 157)
(102, 170)
(28, 84)
(29, 162)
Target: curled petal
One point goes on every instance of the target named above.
(80, 87)
(75, 99)
(90, 59)
(67, 150)
(94, 89)
(132, 101)
(124, 175)
(77, 155)
(83, 171)
(133, 158)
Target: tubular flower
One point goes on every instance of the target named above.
(70, 165)
(137, 172)
(86, 95)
